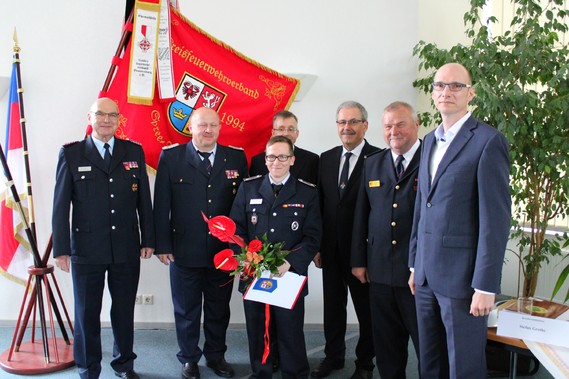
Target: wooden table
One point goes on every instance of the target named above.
(514, 346)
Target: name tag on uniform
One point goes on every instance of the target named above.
(256, 201)
(374, 183)
(84, 168)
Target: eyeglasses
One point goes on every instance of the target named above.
(281, 158)
(205, 126)
(282, 130)
(352, 122)
(102, 115)
(454, 86)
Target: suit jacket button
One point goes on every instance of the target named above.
(397, 187)
(429, 205)
(113, 227)
(393, 223)
(111, 180)
(272, 230)
(395, 205)
(394, 242)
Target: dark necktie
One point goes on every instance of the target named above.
(206, 163)
(344, 174)
(107, 155)
(399, 169)
(277, 188)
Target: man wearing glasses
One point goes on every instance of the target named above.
(105, 180)
(460, 230)
(305, 165)
(200, 176)
(339, 181)
(286, 210)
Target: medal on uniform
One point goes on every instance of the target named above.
(254, 218)
(294, 225)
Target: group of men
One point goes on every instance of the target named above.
(416, 234)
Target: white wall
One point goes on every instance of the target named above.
(359, 50)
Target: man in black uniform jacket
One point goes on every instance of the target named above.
(290, 215)
(338, 186)
(305, 165)
(380, 243)
(105, 180)
(200, 176)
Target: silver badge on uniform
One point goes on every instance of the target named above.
(254, 218)
(294, 225)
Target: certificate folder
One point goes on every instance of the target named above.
(278, 291)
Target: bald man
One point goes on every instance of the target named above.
(105, 180)
(200, 176)
(460, 230)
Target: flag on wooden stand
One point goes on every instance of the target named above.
(15, 251)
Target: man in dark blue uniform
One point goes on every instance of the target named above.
(380, 241)
(287, 210)
(200, 176)
(105, 180)
(305, 165)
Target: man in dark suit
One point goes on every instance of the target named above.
(200, 176)
(380, 242)
(339, 180)
(286, 210)
(305, 165)
(460, 230)
(105, 180)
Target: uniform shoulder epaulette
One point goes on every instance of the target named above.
(70, 143)
(252, 178)
(307, 183)
(235, 147)
(135, 142)
(170, 146)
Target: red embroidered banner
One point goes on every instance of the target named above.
(207, 73)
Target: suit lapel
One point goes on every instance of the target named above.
(193, 158)
(266, 191)
(119, 151)
(412, 165)
(356, 172)
(425, 169)
(219, 161)
(457, 144)
(93, 155)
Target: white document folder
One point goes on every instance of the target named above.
(281, 292)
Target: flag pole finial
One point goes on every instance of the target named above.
(16, 47)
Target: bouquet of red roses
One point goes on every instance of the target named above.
(255, 257)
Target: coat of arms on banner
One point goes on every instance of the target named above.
(191, 94)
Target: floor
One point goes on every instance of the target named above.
(156, 350)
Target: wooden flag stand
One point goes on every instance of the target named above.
(34, 357)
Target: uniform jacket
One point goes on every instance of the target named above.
(305, 165)
(338, 215)
(183, 190)
(462, 220)
(109, 206)
(293, 217)
(383, 219)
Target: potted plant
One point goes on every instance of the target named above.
(522, 89)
